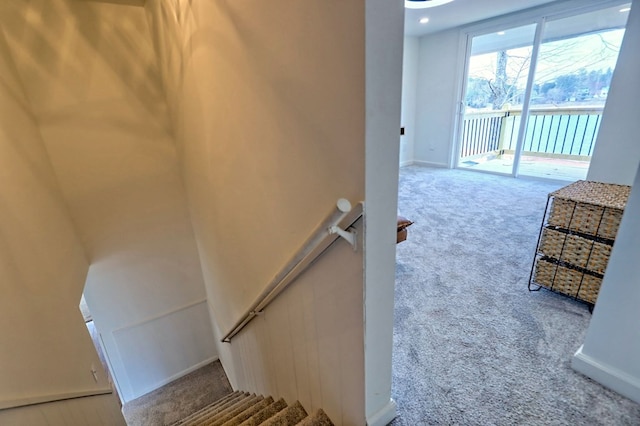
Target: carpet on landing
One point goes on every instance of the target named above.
(472, 346)
(179, 398)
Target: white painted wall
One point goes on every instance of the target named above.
(47, 354)
(384, 39)
(611, 349)
(436, 98)
(271, 135)
(90, 73)
(617, 152)
(267, 148)
(410, 57)
(97, 410)
(308, 344)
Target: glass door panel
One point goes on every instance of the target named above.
(575, 63)
(497, 73)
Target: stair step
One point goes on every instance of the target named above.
(211, 406)
(320, 418)
(214, 415)
(243, 409)
(198, 418)
(241, 417)
(265, 413)
(233, 411)
(288, 417)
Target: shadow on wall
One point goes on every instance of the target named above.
(119, 46)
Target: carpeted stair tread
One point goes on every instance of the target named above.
(243, 409)
(241, 417)
(198, 418)
(233, 411)
(202, 415)
(213, 416)
(288, 417)
(265, 413)
(211, 406)
(320, 418)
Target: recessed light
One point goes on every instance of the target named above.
(500, 33)
(625, 9)
(424, 4)
(424, 20)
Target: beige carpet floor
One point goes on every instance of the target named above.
(179, 398)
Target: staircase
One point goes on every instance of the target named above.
(239, 408)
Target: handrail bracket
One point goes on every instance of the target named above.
(349, 236)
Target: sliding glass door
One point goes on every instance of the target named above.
(497, 74)
(543, 123)
(575, 64)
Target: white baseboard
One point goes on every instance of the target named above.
(607, 375)
(176, 376)
(407, 163)
(384, 416)
(430, 164)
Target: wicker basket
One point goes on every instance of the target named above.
(599, 257)
(568, 281)
(575, 250)
(591, 208)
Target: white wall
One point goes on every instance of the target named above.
(89, 71)
(270, 137)
(267, 150)
(611, 349)
(384, 36)
(308, 344)
(437, 97)
(617, 152)
(98, 410)
(409, 95)
(47, 354)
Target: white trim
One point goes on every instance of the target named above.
(526, 102)
(53, 397)
(430, 164)
(176, 376)
(605, 374)
(111, 371)
(407, 163)
(462, 68)
(384, 416)
(163, 314)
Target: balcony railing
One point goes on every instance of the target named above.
(558, 132)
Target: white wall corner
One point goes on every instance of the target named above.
(384, 416)
(607, 375)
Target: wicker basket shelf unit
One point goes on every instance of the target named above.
(578, 230)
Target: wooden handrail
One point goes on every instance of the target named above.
(323, 236)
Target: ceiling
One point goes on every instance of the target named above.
(461, 12)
